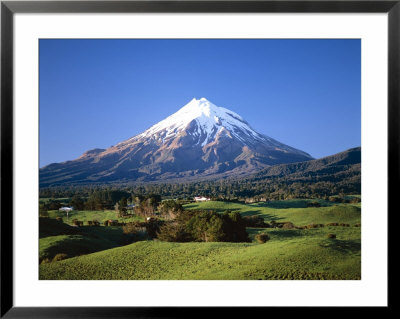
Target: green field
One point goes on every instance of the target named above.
(289, 254)
(86, 215)
(295, 211)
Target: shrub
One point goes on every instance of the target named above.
(357, 225)
(206, 226)
(153, 227)
(234, 227)
(173, 232)
(77, 222)
(255, 221)
(313, 204)
(112, 222)
(262, 238)
(169, 209)
(134, 231)
(44, 261)
(210, 227)
(59, 257)
(90, 223)
(288, 225)
(333, 236)
(315, 226)
(332, 224)
(336, 199)
(130, 228)
(59, 219)
(106, 223)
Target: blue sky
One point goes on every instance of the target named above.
(96, 93)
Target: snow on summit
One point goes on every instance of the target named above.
(210, 120)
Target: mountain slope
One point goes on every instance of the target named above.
(200, 140)
(341, 171)
(327, 165)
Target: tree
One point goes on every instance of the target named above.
(77, 202)
(173, 232)
(43, 211)
(122, 207)
(169, 209)
(206, 226)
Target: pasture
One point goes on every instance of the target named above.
(294, 254)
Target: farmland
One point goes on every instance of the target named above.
(304, 252)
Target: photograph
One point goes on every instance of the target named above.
(199, 159)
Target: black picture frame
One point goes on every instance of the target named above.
(9, 8)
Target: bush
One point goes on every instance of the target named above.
(59, 257)
(59, 219)
(357, 225)
(153, 227)
(131, 228)
(134, 231)
(262, 238)
(209, 226)
(169, 209)
(106, 223)
(111, 223)
(288, 225)
(77, 222)
(174, 232)
(206, 226)
(332, 224)
(44, 261)
(315, 226)
(333, 236)
(234, 227)
(255, 221)
(313, 204)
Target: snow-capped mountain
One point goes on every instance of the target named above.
(200, 140)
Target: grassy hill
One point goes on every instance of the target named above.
(289, 254)
(86, 215)
(59, 238)
(295, 211)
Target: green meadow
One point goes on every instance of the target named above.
(86, 215)
(295, 254)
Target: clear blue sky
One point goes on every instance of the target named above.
(96, 93)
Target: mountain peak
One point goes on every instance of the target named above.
(208, 120)
(202, 105)
(200, 139)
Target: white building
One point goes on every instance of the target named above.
(201, 199)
